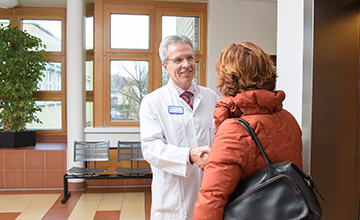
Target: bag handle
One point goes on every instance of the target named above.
(271, 169)
(254, 137)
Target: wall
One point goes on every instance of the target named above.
(290, 36)
(113, 134)
(290, 44)
(233, 21)
(277, 26)
(34, 167)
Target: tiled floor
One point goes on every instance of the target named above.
(127, 203)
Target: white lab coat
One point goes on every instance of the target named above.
(169, 128)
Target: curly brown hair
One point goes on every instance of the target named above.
(245, 66)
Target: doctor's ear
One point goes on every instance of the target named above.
(165, 67)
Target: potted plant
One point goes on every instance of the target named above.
(21, 68)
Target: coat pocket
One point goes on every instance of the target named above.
(166, 195)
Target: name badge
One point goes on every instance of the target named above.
(179, 110)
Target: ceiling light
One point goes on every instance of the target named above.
(8, 3)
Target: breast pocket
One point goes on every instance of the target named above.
(175, 129)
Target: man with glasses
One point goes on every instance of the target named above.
(176, 125)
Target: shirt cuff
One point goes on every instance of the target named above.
(189, 162)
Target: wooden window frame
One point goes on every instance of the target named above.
(103, 52)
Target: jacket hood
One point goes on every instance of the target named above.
(247, 103)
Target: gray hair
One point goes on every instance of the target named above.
(178, 38)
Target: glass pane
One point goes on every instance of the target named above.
(129, 85)
(89, 33)
(51, 81)
(196, 77)
(50, 116)
(49, 31)
(165, 76)
(89, 75)
(129, 31)
(89, 114)
(4, 22)
(189, 26)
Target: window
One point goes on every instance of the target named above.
(50, 115)
(129, 75)
(4, 22)
(128, 50)
(89, 30)
(51, 81)
(49, 31)
(129, 31)
(129, 84)
(188, 26)
(89, 66)
(51, 95)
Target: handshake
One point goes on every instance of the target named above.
(199, 155)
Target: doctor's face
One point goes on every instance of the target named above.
(180, 64)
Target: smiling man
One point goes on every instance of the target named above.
(176, 125)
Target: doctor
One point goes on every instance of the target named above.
(175, 135)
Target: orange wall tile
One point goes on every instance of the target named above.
(115, 182)
(1, 159)
(134, 182)
(14, 179)
(34, 159)
(14, 159)
(2, 180)
(43, 167)
(54, 178)
(55, 159)
(32, 168)
(91, 182)
(35, 179)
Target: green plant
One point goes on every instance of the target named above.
(21, 68)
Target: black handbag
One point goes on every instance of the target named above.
(279, 192)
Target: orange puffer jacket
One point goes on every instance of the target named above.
(234, 155)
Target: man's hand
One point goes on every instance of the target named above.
(198, 155)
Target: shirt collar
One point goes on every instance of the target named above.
(181, 90)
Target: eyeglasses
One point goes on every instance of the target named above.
(189, 58)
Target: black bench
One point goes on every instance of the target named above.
(92, 152)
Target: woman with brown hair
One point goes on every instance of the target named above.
(247, 79)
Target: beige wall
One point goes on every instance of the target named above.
(233, 21)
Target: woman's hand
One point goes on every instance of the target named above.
(199, 155)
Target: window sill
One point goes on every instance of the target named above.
(109, 130)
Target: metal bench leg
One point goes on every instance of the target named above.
(66, 191)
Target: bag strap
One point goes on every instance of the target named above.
(254, 137)
(309, 179)
(271, 169)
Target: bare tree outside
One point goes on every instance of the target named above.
(129, 85)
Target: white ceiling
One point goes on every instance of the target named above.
(45, 3)
(62, 3)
